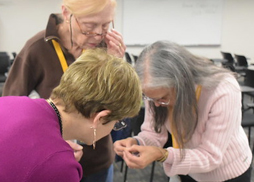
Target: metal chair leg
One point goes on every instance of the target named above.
(122, 164)
(125, 173)
(249, 134)
(152, 172)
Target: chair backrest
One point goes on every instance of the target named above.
(135, 57)
(14, 54)
(228, 56)
(4, 62)
(241, 60)
(249, 78)
(128, 57)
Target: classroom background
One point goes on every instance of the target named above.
(233, 32)
(21, 19)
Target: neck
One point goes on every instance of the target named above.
(64, 35)
(65, 39)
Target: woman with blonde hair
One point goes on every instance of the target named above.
(93, 95)
(82, 25)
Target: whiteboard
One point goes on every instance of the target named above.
(187, 22)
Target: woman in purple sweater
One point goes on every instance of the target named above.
(92, 96)
(200, 105)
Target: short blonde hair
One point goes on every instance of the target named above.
(86, 7)
(98, 81)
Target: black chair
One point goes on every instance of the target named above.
(241, 64)
(128, 57)
(248, 117)
(248, 121)
(233, 64)
(249, 81)
(4, 65)
(241, 60)
(249, 78)
(230, 64)
(1, 88)
(14, 54)
(228, 56)
(135, 58)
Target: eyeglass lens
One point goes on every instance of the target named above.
(92, 34)
(119, 125)
(154, 100)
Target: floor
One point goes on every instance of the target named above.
(144, 175)
(139, 175)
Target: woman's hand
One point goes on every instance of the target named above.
(120, 145)
(115, 44)
(138, 157)
(78, 149)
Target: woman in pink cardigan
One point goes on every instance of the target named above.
(200, 105)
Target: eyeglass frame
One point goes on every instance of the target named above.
(155, 100)
(90, 33)
(120, 125)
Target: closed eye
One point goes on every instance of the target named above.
(89, 25)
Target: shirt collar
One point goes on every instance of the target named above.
(51, 29)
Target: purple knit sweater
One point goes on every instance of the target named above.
(32, 148)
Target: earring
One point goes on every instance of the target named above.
(94, 137)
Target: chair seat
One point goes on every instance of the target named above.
(250, 105)
(250, 94)
(241, 68)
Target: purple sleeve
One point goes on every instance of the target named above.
(60, 166)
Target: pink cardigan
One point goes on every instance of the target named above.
(219, 148)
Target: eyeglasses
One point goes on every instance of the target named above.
(119, 125)
(155, 100)
(92, 34)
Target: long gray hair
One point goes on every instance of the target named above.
(165, 64)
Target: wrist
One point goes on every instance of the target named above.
(136, 141)
(164, 155)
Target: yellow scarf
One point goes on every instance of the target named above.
(60, 55)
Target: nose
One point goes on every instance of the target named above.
(99, 31)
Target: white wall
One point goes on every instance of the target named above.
(20, 19)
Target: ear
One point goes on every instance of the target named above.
(99, 117)
(65, 13)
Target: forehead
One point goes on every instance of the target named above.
(156, 91)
